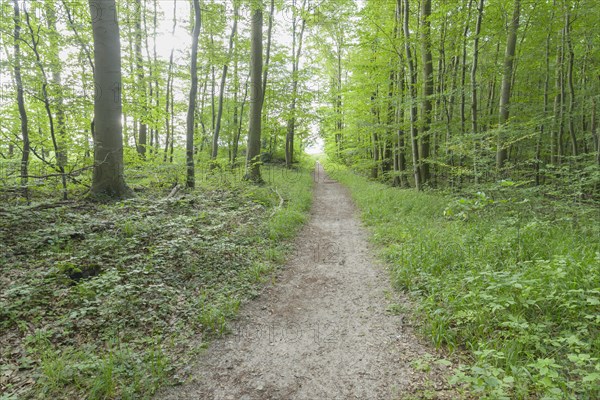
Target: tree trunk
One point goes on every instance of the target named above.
(538, 146)
(21, 103)
(107, 178)
(62, 154)
(509, 58)
(413, 97)
(189, 142)
(254, 128)
(141, 85)
(238, 134)
(374, 138)
(46, 100)
(268, 51)
(427, 89)
(169, 90)
(291, 123)
(572, 134)
(474, 126)
(215, 143)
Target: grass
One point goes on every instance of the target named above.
(509, 278)
(106, 301)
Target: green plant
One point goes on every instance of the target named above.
(513, 282)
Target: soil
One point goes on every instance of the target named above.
(330, 326)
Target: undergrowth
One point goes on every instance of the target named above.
(106, 301)
(507, 277)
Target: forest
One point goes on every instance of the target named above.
(161, 161)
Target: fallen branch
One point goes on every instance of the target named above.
(281, 201)
(173, 192)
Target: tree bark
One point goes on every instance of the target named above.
(400, 159)
(413, 98)
(474, 88)
(107, 179)
(255, 123)
(215, 143)
(189, 142)
(141, 86)
(238, 133)
(572, 134)
(268, 51)
(509, 57)
(291, 123)
(427, 89)
(595, 130)
(168, 99)
(21, 102)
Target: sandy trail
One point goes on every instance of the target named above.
(323, 330)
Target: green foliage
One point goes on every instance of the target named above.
(511, 278)
(109, 300)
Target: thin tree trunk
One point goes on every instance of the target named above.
(413, 97)
(167, 109)
(400, 159)
(152, 99)
(538, 145)
(236, 88)
(463, 86)
(595, 130)
(21, 102)
(46, 100)
(374, 137)
(291, 123)
(62, 154)
(141, 95)
(570, 66)
(189, 142)
(509, 58)
(427, 89)
(268, 51)
(168, 99)
(215, 143)
(155, 58)
(474, 126)
(236, 140)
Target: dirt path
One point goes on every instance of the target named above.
(323, 331)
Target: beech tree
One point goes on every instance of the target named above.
(107, 179)
(256, 97)
(189, 142)
(419, 94)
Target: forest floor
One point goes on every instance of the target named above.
(112, 301)
(329, 327)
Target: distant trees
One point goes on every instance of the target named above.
(471, 84)
(421, 94)
(94, 75)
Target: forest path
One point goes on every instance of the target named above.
(323, 330)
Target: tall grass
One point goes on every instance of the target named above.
(513, 281)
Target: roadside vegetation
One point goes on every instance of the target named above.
(114, 300)
(507, 278)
